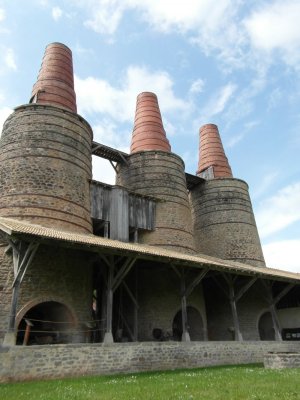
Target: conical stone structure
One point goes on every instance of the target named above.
(45, 152)
(212, 154)
(148, 132)
(55, 82)
(223, 218)
(153, 170)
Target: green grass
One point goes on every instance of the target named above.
(233, 383)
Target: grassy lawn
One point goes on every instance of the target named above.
(233, 383)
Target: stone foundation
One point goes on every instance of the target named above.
(21, 363)
(282, 360)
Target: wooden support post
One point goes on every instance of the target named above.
(275, 320)
(135, 312)
(185, 333)
(22, 258)
(29, 324)
(237, 333)
(272, 305)
(108, 337)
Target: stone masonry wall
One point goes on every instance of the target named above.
(56, 274)
(219, 315)
(159, 301)
(45, 156)
(21, 363)
(282, 360)
(161, 175)
(224, 222)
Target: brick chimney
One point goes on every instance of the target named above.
(55, 82)
(213, 162)
(148, 132)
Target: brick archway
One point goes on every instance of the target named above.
(49, 320)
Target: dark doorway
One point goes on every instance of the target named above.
(195, 324)
(46, 323)
(265, 327)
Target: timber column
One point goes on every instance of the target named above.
(153, 170)
(223, 218)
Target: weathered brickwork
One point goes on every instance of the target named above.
(45, 172)
(224, 223)
(60, 361)
(282, 360)
(161, 175)
(6, 280)
(56, 274)
(219, 314)
(160, 300)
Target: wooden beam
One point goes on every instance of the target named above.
(123, 271)
(237, 332)
(185, 334)
(175, 269)
(195, 282)
(108, 337)
(245, 288)
(283, 293)
(272, 307)
(22, 258)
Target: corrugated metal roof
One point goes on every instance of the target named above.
(94, 243)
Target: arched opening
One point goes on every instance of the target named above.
(265, 327)
(195, 324)
(49, 322)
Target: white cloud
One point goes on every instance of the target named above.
(235, 139)
(279, 211)
(2, 14)
(106, 16)
(217, 103)
(276, 27)
(9, 59)
(103, 171)
(4, 113)
(197, 86)
(210, 24)
(264, 184)
(56, 13)
(274, 98)
(283, 255)
(99, 96)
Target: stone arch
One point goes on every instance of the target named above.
(50, 320)
(195, 324)
(265, 326)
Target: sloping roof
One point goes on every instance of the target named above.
(94, 243)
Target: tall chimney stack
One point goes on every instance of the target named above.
(55, 82)
(211, 154)
(148, 132)
(153, 170)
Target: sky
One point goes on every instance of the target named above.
(235, 63)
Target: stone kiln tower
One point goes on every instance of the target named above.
(153, 170)
(224, 223)
(45, 156)
(45, 152)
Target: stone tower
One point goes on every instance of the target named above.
(45, 152)
(153, 170)
(45, 159)
(224, 223)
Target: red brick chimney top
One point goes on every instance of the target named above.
(211, 153)
(148, 132)
(55, 82)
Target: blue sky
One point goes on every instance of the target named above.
(235, 63)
